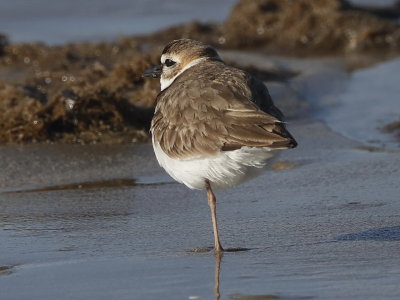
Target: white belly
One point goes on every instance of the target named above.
(224, 170)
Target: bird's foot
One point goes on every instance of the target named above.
(218, 248)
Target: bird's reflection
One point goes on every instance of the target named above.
(218, 259)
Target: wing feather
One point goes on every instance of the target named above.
(216, 112)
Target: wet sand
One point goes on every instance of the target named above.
(93, 92)
(324, 226)
(326, 229)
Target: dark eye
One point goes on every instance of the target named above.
(169, 62)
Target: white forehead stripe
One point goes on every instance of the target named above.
(167, 82)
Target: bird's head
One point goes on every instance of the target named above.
(177, 57)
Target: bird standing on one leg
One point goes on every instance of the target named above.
(214, 126)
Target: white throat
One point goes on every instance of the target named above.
(167, 82)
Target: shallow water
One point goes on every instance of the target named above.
(64, 21)
(369, 101)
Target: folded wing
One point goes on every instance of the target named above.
(197, 118)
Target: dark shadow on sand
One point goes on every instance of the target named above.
(376, 234)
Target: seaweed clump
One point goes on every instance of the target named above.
(79, 93)
(304, 26)
(297, 27)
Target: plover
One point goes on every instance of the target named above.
(214, 125)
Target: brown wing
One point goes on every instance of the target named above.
(208, 114)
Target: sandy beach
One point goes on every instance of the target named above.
(94, 217)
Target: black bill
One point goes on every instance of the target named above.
(154, 72)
